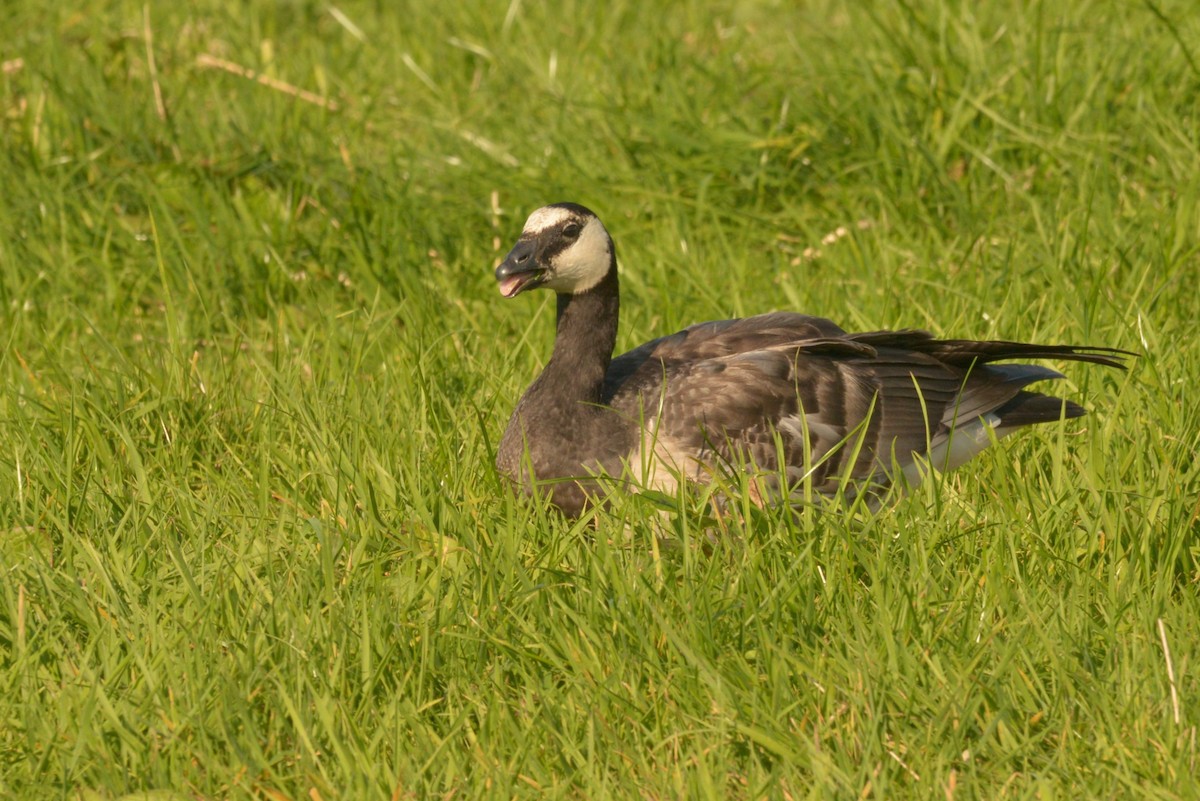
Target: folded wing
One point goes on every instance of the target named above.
(796, 392)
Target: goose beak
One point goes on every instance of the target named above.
(520, 269)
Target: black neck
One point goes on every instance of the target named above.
(583, 344)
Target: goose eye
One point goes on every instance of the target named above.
(571, 230)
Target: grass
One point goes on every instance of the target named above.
(254, 369)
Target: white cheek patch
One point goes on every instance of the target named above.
(584, 263)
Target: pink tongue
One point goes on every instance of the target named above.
(509, 286)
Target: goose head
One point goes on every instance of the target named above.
(563, 247)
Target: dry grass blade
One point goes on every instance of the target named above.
(212, 62)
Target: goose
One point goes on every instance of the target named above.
(791, 397)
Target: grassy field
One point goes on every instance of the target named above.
(254, 368)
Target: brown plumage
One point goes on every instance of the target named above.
(839, 409)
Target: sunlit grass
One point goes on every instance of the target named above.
(255, 369)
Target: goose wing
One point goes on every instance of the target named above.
(642, 367)
(828, 403)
